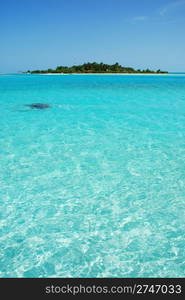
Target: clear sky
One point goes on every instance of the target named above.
(38, 34)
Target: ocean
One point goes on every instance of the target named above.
(93, 186)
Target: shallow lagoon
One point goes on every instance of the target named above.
(93, 186)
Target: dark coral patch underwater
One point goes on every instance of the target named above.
(38, 106)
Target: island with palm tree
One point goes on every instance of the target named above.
(95, 68)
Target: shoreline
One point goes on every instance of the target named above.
(117, 74)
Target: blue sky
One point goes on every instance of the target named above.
(37, 34)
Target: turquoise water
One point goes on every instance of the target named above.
(95, 185)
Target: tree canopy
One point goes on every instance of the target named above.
(94, 68)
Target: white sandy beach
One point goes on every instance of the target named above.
(123, 74)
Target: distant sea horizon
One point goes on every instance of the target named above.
(169, 73)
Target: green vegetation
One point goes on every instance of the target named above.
(94, 68)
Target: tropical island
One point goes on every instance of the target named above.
(94, 67)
